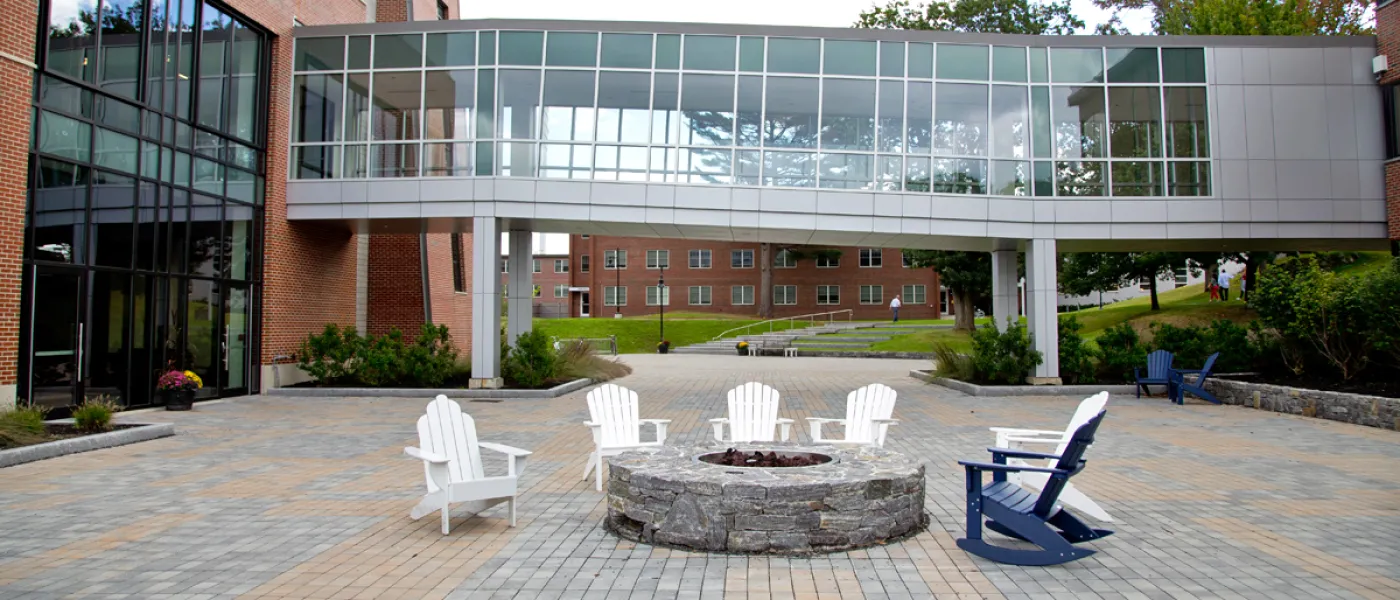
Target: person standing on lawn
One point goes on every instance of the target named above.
(894, 307)
(1224, 282)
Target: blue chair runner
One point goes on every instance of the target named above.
(1159, 368)
(1019, 513)
(1178, 386)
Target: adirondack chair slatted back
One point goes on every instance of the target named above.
(1205, 370)
(874, 401)
(1088, 409)
(753, 413)
(1159, 364)
(447, 431)
(615, 408)
(1071, 460)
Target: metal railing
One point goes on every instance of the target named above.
(828, 316)
(607, 345)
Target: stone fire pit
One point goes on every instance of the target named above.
(668, 496)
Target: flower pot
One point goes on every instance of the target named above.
(663, 349)
(178, 399)
(743, 351)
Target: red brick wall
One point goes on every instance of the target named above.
(1392, 198)
(450, 307)
(546, 305)
(395, 283)
(394, 11)
(18, 19)
(721, 277)
(1388, 44)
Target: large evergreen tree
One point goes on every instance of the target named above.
(1254, 17)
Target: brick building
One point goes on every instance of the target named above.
(725, 277)
(552, 283)
(1388, 47)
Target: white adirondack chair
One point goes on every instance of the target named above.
(1013, 438)
(612, 413)
(753, 415)
(451, 458)
(868, 411)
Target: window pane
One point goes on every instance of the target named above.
(624, 100)
(1183, 65)
(705, 166)
(707, 110)
(568, 106)
(891, 59)
(72, 40)
(788, 55)
(1011, 178)
(848, 114)
(447, 160)
(1132, 65)
(1137, 178)
(62, 136)
(113, 199)
(961, 119)
(1040, 65)
(918, 174)
(919, 112)
(847, 171)
(66, 97)
(957, 61)
(357, 107)
(746, 168)
(668, 52)
(1188, 179)
(122, 21)
(920, 60)
(451, 49)
(1187, 131)
(448, 99)
(1044, 178)
(1079, 122)
(565, 161)
(789, 169)
(114, 150)
(208, 176)
(751, 54)
(889, 173)
(959, 176)
(518, 98)
(1008, 63)
(316, 109)
(627, 50)
(665, 118)
(486, 48)
(1010, 122)
(709, 53)
(240, 185)
(398, 51)
(890, 116)
(393, 160)
(845, 57)
(749, 116)
(1135, 128)
(1040, 121)
(1079, 178)
(356, 162)
(791, 118)
(213, 68)
(572, 49)
(60, 199)
(522, 48)
(244, 83)
(357, 52)
(396, 98)
(1076, 65)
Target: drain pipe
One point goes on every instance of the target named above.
(276, 371)
(423, 266)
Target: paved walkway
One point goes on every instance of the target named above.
(309, 498)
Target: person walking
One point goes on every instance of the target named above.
(1224, 282)
(894, 307)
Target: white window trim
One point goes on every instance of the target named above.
(878, 302)
(781, 266)
(751, 260)
(835, 264)
(792, 296)
(616, 290)
(838, 295)
(906, 291)
(664, 295)
(860, 258)
(704, 253)
(741, 295)
(703, 289)
(620, 260)
(561, 262)
(659, 254)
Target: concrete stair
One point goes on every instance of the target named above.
(827, 336)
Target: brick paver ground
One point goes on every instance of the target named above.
(309, 498)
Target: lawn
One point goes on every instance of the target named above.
(640, 334)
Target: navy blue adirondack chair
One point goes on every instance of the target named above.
(1159, 367)
(1020, 513)
(1178, 387)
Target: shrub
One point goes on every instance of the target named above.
(1119, 351)
(1002, 357)
(344, 356)
(1329, 316)
(380, 362)
(950, 363)
(21, 426)
(95, 414)
(330, 356)
(1188, 345)
(1076, 357)
(432, 359)
(1384, 289)
(577, 361)
(532, 361)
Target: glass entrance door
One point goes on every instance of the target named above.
(55, 337)
(584, 306)
(234, 347)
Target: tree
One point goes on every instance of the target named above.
(1253, 17)
(795, 252)
(1085, 273)
(976, 16)
(967, 275)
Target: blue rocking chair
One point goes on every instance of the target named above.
(1159, 368)
(1014, 511)
(1178, 387)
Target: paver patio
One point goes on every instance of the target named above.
(266, 497)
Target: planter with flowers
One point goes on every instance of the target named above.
(178, 388)
(663, 347)
(743, 348)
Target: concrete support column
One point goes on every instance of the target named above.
(362, 282)
(520, 290)
(1042, 265)
(486, 303)
(1005, 292)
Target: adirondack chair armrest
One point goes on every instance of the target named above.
(719, 424)
(424, 455)
(1021, 454)
(660, 425)
(825, 420)
(885, 421)
(1025, 432)
(515, 457)
(815, 423)
(785, 429)
(1037, 440)
(983, 466)
(1189, 371)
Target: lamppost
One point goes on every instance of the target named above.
(617, 291)
(661, 299)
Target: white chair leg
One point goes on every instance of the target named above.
(598, 471)
(588, 468)
(446, 518)
(510, 505)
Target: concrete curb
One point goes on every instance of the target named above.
(810, 353)
(121, 437)
(973, 389)
(360, 392)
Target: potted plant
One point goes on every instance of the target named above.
(743, 348)
(178, 388)
(663, 347)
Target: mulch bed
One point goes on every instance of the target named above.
(62, 431)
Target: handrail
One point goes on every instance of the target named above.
(810, 318)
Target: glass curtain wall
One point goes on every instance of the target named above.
(145, 199)
(758, 111)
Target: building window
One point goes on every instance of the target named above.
(1145, 283)
(699, 295)
(655, 292)
(741, 295)
(584, 236)
(561, 290)
(459, 280)
(828, 262)
(943, 305)
(915, 294)
(871, 257)
(872, 294)
(614, 259)
(784, 259)
(658, 259)
(614, 296)
(700, 259)
(1181, 276)
(442, 10)
(561, 265)
(537, 265)
(741, 259)
(784, 295)
(828, 295)
(583, 263)
(904, 260)
(505, 265)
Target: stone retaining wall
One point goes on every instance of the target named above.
(1371, 411)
